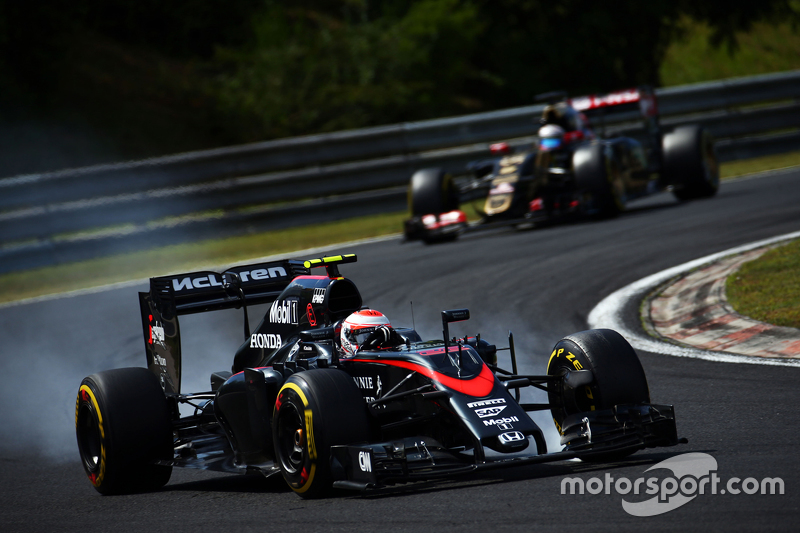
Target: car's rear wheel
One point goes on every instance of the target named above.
(315, 410)
(690, 163)
(432, 192)
(599, 176)
(618, 375)
(123, 425)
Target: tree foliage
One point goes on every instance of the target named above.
(273, 68)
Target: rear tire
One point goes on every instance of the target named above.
(315, 410)
(618, 375)
(432, 192)
(690, 163)
(123, 425)
(600, 177)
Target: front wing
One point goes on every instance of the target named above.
(595, 435)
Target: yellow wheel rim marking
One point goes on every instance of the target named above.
(312, 449)
(85, 389)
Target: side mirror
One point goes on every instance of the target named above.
(452, 315)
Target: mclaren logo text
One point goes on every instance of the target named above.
(210, 280)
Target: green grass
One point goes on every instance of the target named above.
(765, 48)
(759, 164)
(768, 288)
(203, 254)
(191, 256)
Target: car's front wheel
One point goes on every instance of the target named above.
(618, 376)
(315, 410)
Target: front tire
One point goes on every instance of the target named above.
(123, 425)
(315, 410)
(618, 375)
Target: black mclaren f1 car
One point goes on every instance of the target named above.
(570, 171)
(398, 409)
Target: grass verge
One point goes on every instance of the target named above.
(192, 256)
(768, 288)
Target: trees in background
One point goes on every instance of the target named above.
(255, 69)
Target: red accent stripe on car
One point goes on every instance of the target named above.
(479, 386)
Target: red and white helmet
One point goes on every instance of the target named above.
(358, 326)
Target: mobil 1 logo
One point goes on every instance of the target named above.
(284, 312)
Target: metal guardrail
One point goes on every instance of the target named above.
(72, 214)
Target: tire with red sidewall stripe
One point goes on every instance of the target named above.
(618, 375)
(315, 410)
(123, 426)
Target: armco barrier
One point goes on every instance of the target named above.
(42, 216)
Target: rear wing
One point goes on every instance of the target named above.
(621, 106)
(198, 292)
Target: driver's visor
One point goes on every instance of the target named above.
(358, 336)
(549, 143)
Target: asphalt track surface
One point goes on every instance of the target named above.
(541, 284)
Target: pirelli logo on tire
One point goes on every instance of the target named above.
(312, 448)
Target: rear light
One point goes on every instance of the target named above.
(500, 148)
(536, 204)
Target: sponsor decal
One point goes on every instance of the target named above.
(585, 103)
(502, 423)
(157, 335)
(502, 188)
(363, 382)
(493, 401)
(319, 296)
(312, 317)
(510, 436)
(265, 340)
(210, 280)
(489, 411)
(160, 361)
(283, 312)
(368, 383)
(693, 474)
(365, 461)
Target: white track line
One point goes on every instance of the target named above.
(608, 313)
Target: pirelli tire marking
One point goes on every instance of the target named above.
(85, 395)
(307, 477)
(569, 359)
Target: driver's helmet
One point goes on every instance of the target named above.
(551, 137)
(358, 326)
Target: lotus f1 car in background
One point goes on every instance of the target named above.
(571, 172)
(399, 409)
